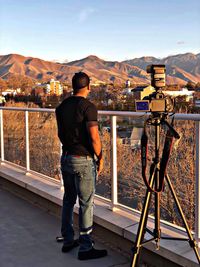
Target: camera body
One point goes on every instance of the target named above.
(157, 101)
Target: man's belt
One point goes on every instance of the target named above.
(78, 156)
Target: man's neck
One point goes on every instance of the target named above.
(81, 94)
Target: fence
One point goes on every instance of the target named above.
(113, 116)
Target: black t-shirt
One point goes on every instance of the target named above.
(72, 115)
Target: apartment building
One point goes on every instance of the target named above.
(54, 88)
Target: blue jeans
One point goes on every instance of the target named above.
(79, 176)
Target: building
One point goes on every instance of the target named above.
(127, 91)
(128, 83)
(54, 88)
(9, 92)
(184, 92)
(2, 100)
(131, 137)
(141, 91)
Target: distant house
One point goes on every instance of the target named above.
(9, 92)
(2, 100)
(128, 83)
(129, 137)
(127, 91)
(39, 89)
(141, 91)
(135, 139)
(197, 103)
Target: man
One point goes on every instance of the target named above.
(78, 133)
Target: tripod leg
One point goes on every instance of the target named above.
(141, 228)
(142, 223)
(192, 241)
(157, 230)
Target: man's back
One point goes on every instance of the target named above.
(72, 115)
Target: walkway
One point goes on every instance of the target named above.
(27, 239)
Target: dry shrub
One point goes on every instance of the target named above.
(44, 143)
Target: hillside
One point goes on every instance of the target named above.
(35, 68)
(180, 68)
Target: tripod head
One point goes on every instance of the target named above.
(159, 118)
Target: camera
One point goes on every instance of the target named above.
(157, 101)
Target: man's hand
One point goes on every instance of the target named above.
(99, 166)
(93, 131)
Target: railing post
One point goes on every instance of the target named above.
(27, 142)
(2, 136)
(197, 185)
(114, 194)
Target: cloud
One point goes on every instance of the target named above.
(180, 43)
(85, 13)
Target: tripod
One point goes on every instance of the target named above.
(154, 183)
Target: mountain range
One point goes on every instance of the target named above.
(180, 68)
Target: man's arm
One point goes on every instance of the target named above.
(93, 131)
(59, 127)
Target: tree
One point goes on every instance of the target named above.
(3, 85)
(190, 85)
(19, 81)
(197, 86)
(26, 85)
(13, 82)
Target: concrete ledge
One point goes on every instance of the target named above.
(118, 228)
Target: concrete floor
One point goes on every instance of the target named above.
(27, 238)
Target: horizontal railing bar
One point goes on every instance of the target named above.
(183, 116)
(122, 113)
(177, 116)
(29, 109)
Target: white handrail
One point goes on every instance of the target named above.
(177, 116)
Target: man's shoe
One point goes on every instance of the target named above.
(67, 248)
(92, 254)
(59, 239)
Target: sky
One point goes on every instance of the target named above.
(116, 30)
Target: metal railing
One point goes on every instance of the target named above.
(113, 166)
